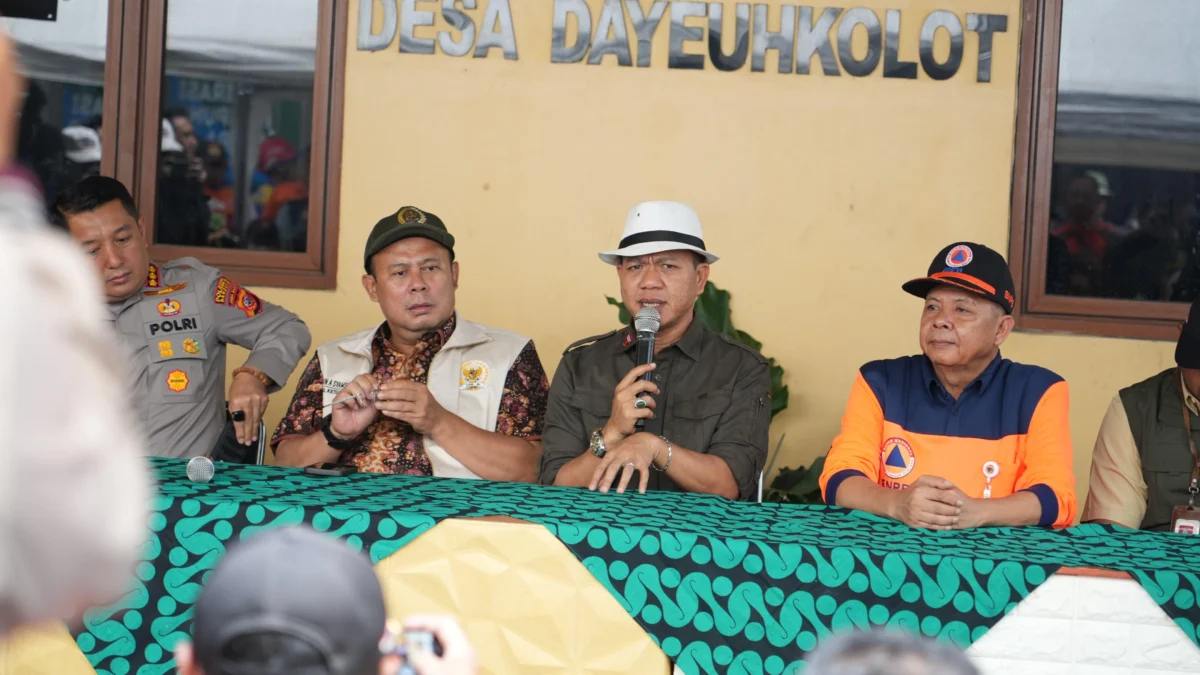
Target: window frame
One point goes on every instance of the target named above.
(1033, 166)
(141, 87)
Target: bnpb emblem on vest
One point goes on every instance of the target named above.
(898, 458)
(474, 375)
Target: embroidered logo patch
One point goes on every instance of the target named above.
(960, 256)
(169, 307)
(177, 381)
(411, 214)
(165, 350)
(166, 291)
(191, 346)
(898, 458)
(226, 289)
(474, 375)
(247, 302)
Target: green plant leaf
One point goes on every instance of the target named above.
(622, 315)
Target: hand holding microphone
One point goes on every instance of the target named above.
(633, 401)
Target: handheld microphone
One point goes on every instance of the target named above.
(200, 469)
(646, 324)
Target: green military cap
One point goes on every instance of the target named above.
(409, 221)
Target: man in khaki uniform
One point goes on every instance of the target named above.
(175, 320)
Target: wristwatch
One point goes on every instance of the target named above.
(333, 441)
(597, 445)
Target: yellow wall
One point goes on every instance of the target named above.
(821, 194)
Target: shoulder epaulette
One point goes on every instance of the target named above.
(758, 355)
(590, 340)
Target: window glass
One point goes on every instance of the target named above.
(63, 60)
(237, 122)
(1125, 192)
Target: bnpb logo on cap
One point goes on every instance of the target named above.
(898, 458)
(960, 256)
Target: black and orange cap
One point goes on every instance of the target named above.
(971, 267)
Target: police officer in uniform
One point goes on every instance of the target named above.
(175, 320)
(706, 409)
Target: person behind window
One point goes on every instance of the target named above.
(957, 437)
(287, 190)
(82, 145)
(1085, 232)
(427, 392)
(183, 217)
(706, 410)
(222, 230)
(1142, 463)
(886, 653)
(175, 320)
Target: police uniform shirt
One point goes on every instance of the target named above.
(714, 399)
(175, 330)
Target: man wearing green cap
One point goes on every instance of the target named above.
(426, 392)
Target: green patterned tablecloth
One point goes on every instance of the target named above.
(723, 587)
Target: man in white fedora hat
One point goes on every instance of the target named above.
(705, 410)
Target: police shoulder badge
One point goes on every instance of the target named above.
(411, 214)
(248, 303)
(474, 375)
(191, 346)
(153, 280)
(898, 458)
(177, 381)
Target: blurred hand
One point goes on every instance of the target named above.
(458, 656)
(12, 86)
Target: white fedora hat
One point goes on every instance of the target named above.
(654, 227)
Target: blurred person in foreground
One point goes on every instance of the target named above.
(957, 437)
(452, 397)
(73, 490)
(294, 601)
(886, 653)
(175, 320)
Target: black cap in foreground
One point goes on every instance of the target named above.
(297, 583)
(1187, 349)
(409, 221)
(972, 267)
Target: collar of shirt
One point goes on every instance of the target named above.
(154, 279)
(689, 344)
(1192, 403)
(431, 342)
(934, 385)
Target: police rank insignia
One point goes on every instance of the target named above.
(411, 214)
(191, 346)
(177, 381)
(152, 276)
(166, 291)
(169, 307)
(474, 375)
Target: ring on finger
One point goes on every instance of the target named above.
(640, 403)
(631, 465)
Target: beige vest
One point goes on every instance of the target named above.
(466, 377)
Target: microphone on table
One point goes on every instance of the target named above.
(646, 324)
(200, 469)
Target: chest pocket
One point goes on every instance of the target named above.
(594, 408)
(693, 421)
(1167, 470)
(174, 332)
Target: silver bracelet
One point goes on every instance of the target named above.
(669, 453)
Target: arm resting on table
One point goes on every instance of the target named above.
(304, 451)
(489, 454)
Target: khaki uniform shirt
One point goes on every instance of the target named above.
(715, 399)
(1117, 489)
(175, 330)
